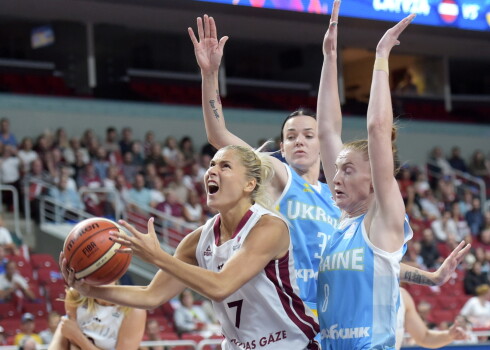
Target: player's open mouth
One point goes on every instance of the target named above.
(212, 187)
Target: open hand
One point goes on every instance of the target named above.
(330, 39)
(449, 265)
(208, 50)
(390, 38)
(144, 245)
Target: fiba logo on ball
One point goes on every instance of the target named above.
(91, 253)
(448, 10)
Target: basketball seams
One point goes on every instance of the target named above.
(81, 244)
(121, 270)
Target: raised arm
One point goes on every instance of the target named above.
(329, 115)
(423, 336)
(387, 226)
(255, 253)
(209, 51)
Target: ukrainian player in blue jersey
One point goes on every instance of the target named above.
(358, 287)
(301, 198)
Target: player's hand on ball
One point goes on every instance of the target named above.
(69, 276)
(144, 245)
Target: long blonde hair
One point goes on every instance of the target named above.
(259, 167)
(75, 299)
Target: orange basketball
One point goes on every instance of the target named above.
(90, 253)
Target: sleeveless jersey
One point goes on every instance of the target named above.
(358, 290)
(400, 324)
(266, 312)
(102, 325)
(313, 217)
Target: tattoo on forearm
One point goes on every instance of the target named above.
(417, 278)
(213, 107)
(218, 98)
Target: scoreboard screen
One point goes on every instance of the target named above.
(462, 14)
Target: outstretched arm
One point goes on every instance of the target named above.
(414, 275)
(386, 229)
(209, 52)
(423, 336)
(162, 288)
(252, 257)
(329, 114)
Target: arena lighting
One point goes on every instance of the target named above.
(462, 14)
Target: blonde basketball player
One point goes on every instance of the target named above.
(241, 259)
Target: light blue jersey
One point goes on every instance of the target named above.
(358, 290)
(313, 217)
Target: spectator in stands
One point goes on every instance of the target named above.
(171, 153)
(148, 142)
(178, 186)
(26, 154)
(171, 206)
(138, 154)
(477, 308)
(484, 241)
(6, 240)
(89, 139)
(466, 202)
(479, 165)
(139, 195)
(456, 161)
(481, 257)
(156, 157)
(445, 227)
(428, 249)
(101, 162)
(188, 154)
(76, 148)
(27, 326)
(54, 161)
(69, 198)
(461, 224)
(446, 190)
(128, 167)
(412, 203)
(157, 190)
(475, 218)
(122, 194)
(61, 139)
(42, 148)
(474, 277)
(194, 180)
(438, 163)
(406, 85)
(10, 167)
(13, 283)
(46, 335)
(404, 179)
(152, 333)
(430, 205)
(412, 256)
(192, 209)
(111, 145)
(6, 137)
(126, 142)
(189, 318)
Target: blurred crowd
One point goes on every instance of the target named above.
(443, 202)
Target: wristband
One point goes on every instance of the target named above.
(381, 64)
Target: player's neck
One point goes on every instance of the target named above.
(230, 219)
